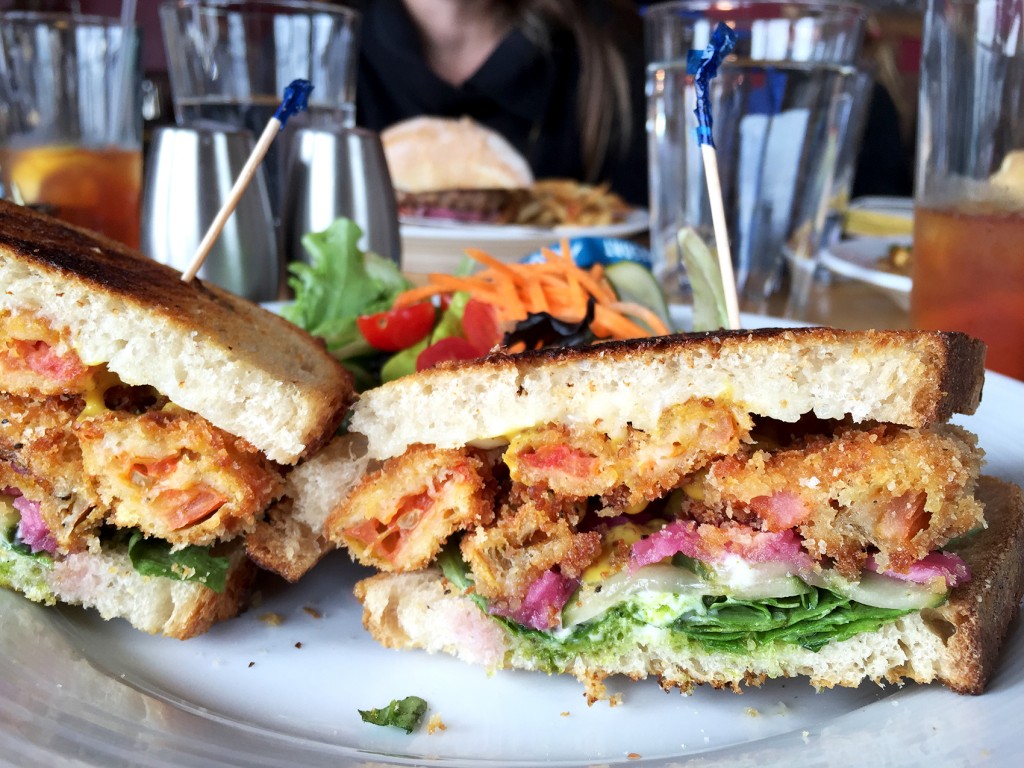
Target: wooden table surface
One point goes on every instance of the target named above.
(845, 303)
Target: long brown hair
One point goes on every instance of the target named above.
(602, 29)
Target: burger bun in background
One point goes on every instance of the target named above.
(455, 169)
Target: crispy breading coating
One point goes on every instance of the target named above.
(399, 516)
(641, 467)
(174, 475)
(903, 491)
(528, 538)
(38, 441)
(37, 360)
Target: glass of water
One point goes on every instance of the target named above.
(230, 62)
(777, 127)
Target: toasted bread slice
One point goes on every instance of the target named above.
(292, 538)
(244, 369)
(956, 643)
(106, 582)
(913, 378)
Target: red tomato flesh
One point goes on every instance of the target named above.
(398, 327)
(480, 326)
(452, 348)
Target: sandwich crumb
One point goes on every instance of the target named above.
(435, 723)
(806, 736)
(312, 612)
(633, 756)
(564, 714)
(752, 712)
(298, 645)
(272, 619)
(616, 700)
(252, 664)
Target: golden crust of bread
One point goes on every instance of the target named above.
(953, 378)
(291, 393)
(284, 544)
(957, 644)
(913, 378)
(981, 611)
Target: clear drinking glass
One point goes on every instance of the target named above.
(968, 252)
(777, 127)
(230, 62)
(70, 120)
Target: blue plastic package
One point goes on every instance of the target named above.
(588, 251)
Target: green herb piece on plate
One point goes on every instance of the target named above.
(401, 713)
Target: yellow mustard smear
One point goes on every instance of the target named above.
(99, 383)
(623, 535)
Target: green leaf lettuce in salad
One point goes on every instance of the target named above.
(340, 283)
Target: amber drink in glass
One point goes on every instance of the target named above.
(968, 252)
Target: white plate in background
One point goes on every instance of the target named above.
(859, 259)
(76, 688)
(438, 246)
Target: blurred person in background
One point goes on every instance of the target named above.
(562, 80)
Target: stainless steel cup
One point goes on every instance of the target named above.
(340, 172)
(189, 174)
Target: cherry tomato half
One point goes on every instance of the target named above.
(480, 325)
(398, 327)
(451, 348)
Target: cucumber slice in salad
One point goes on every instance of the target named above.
(634, 282)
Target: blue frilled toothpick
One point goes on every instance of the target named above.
(296, 98)
(703, 65)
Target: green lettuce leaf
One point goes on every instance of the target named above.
(154, 557)
(811, 620)
(340, 283)
(401, 713)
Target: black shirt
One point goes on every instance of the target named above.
(524, 92)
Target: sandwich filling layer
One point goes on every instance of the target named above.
(93, 470)
(715, 527)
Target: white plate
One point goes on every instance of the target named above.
(859, 259)
(438, 246)
(75, 688)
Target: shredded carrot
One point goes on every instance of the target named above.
(555, 285)
(609, 323)
(641, 313)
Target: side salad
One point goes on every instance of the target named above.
(382, 327)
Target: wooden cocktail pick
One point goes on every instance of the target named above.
(296, 97)
(703, 65)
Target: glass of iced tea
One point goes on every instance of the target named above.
(968, 253)
(71, 126)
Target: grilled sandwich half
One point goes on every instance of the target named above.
(146, 425)
(714, 508)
